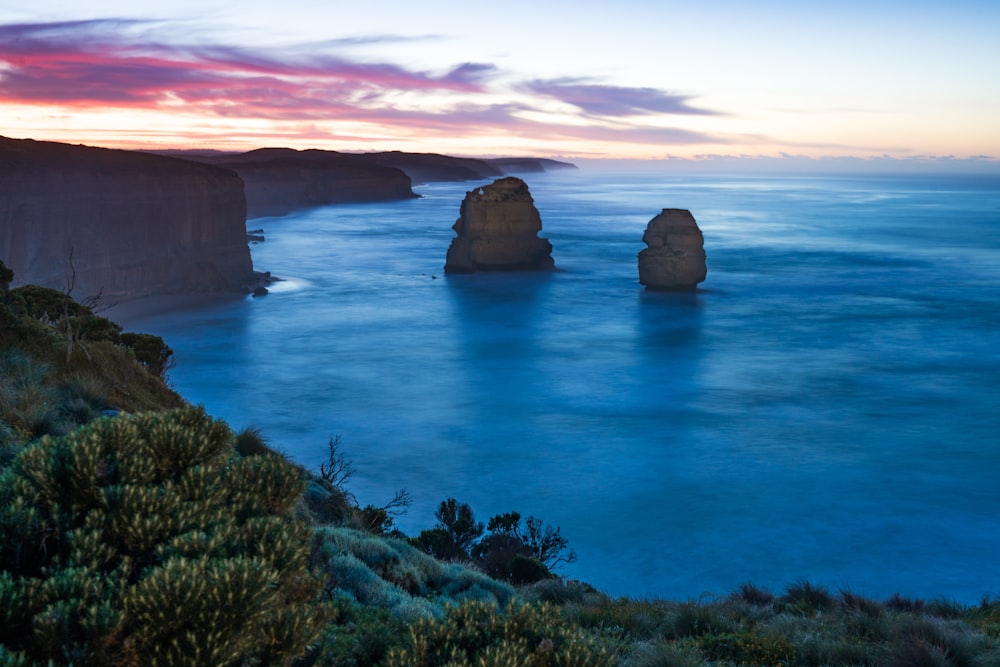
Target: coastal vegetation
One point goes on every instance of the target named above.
(138, 530)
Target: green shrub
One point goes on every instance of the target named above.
(749, 649)
(150, 351)
(805, 598)
(145, 540)
(693, 619)
(520, 635)
(391, 573)
(666, 654)
(358, 636)
(752, 595)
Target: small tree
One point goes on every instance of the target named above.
(6, 277)
(151, 351)
(458, 521)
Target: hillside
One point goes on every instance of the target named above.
(135, 529)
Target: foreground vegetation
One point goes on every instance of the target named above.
(136, 530)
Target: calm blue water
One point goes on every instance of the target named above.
(826, 407)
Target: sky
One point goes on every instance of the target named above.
(886, 80)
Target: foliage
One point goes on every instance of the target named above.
(479, 633)
(392, 574)
(61, 366)
(507, 548)
(146, 540)
(6, 276)
(357, 636)
(748, 648)
(150, 351)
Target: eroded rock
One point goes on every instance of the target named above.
(498, 231)
(675, 256)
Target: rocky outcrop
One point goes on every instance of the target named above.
(126, 223)
(498, 231)
(675, 258)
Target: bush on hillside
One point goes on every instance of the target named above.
(482, 634)
(146, 540)
(507, 548)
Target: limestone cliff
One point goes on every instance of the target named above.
(675, 258)
(498, 231)
(133, 223)
(281, 180)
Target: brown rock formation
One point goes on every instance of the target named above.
(133, 223)
(498, 231)
(675, 258)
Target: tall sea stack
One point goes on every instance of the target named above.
(120, 223)
(675, 258)
(498, 231)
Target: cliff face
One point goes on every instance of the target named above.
(498, 231)
(133, 223)
(675, 258)
(281, 180)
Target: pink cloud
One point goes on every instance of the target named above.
(606, 100)
(107, 63)
(95, 62)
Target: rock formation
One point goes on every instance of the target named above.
(675, 258)
(498, 231)
(126, 223)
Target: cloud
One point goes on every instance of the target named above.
(604, 100)
(97, 62)
(133, 65)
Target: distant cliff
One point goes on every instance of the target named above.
(430, 167)
(132, 223)
(282, 180)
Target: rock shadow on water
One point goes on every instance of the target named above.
(508, 300)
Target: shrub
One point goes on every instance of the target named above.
(694, 620)
(750, 649)
(861, 604)
(150, 351)
(667, 654)
(147, 540)
(804, 598)
(391, 573)
(752, 595)
(477, 633)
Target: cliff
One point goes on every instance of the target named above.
(281, 180)
(675, 256)
(498, 231)
(133, 223)
(430, 167)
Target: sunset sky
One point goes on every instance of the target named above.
(573, 79)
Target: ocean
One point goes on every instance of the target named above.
(824, 408)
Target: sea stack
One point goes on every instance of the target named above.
(498, 231)
(675, 258)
